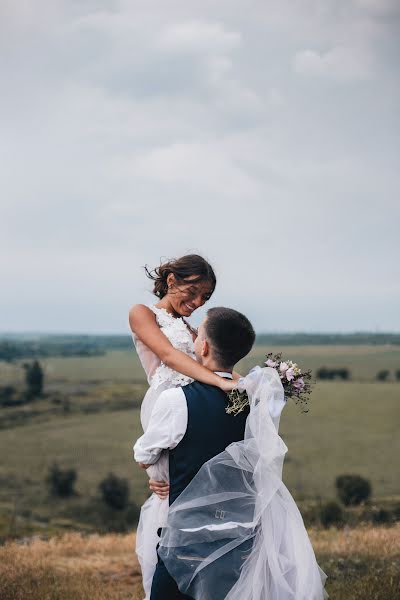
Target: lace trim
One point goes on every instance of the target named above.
(164, 374)
(178, 333)
(164, 318)
(175, 329)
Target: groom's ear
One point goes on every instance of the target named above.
(205, 348)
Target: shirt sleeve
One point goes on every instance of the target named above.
(167, 426)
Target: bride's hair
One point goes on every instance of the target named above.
(190, 265)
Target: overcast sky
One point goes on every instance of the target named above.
(261, 134)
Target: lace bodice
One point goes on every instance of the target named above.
(178, 333)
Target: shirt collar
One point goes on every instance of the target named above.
(223, 374)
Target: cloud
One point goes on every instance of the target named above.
(342, 64)
(385, 8)
(141, 130)
(199, 37)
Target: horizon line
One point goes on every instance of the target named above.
(128, 333)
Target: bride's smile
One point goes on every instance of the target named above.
(183, 298)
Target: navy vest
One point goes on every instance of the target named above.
(209, 431)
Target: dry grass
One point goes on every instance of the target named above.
(71, 567)
(363, 541)
(361, 563)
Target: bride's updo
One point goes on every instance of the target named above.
(190, 265)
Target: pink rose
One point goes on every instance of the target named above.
(298, 384)
(289, 374)
(271, 363)
(283, 367)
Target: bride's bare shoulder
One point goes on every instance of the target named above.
(140, 314)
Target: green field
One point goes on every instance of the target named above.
(121, 365)
(351, 427)
(362, 361)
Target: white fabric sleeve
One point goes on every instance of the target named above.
(167, 426)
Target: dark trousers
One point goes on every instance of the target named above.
(164, 587)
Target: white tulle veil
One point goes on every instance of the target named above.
(235, 532)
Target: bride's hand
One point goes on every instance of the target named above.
(227, 385)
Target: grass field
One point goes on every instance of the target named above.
(361, 564)
(350, 427)
(363, 361)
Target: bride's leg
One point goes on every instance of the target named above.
(146, 542)
(153, 515)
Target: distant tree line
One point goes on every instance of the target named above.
(16, 347)
(327, 339)
(12, 350)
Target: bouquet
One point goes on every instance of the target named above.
(296, 384)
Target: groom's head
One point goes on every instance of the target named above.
(225, 337)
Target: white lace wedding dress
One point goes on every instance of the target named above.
(154, 511)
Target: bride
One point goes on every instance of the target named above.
(235, 532)
(164, 341)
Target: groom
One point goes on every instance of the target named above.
(191, 421)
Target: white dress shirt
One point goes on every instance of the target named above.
(167, 426)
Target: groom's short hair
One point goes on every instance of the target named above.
(231, 335)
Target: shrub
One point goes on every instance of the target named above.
(8, 396)
(115, 491)
(381, 516)
(343, 373)
(398, 374)
(352, 489)
(382, 375)
(331, 514)
(323, 373)
(118, 521)
(34, 378)
(94, 512)
(396, 513)
(61, 481)
(330, 374)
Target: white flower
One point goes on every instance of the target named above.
(289, 374)
(271, 363)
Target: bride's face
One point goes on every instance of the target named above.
(186, 297)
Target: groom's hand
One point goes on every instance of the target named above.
(161, 488)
